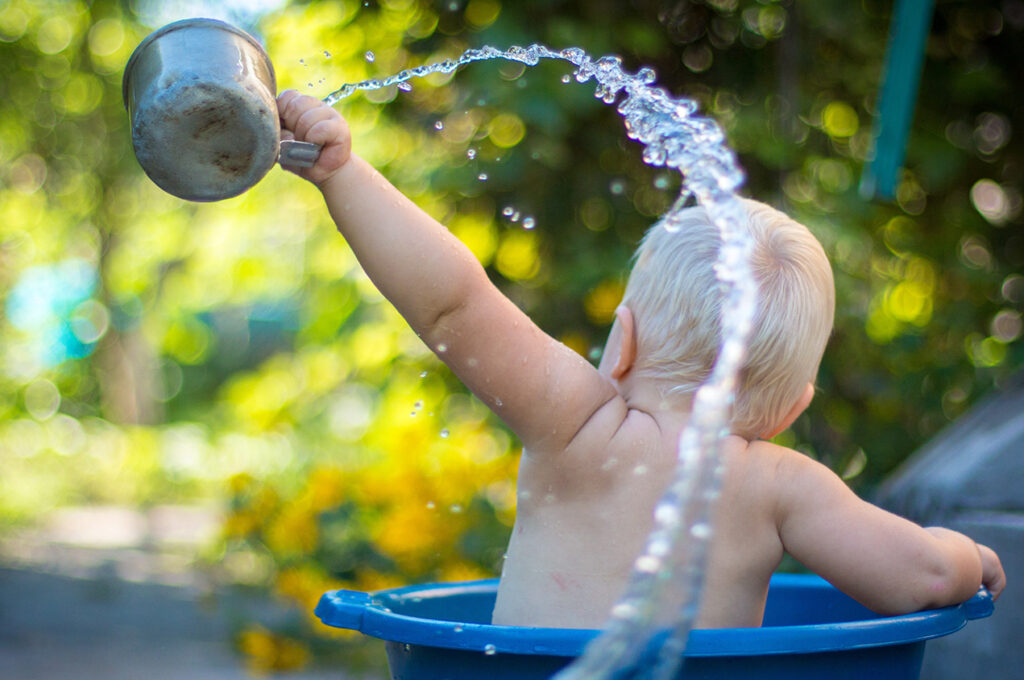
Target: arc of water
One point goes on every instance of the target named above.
(675, 553)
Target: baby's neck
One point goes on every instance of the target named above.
(653, 397)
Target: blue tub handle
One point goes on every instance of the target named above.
(343, 608)
(979, 606)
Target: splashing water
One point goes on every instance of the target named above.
(675, 553)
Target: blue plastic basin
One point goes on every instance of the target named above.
(442, 631)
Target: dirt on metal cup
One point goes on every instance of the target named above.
(200, 94)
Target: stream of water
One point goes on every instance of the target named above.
(675, 554)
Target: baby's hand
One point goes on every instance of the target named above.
(307, 119)
(992, 575)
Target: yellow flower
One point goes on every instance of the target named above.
(265, 502)
(240, 524)
(415, 535)
(464, 571)
(517, 257)
(602, 300)
(370, 581)
(267, 652)
(325, 488)
(239, 483)
(294, 531)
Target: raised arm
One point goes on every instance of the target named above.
(883, 561)
(542, 389)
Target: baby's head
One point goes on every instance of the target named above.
(676, 300)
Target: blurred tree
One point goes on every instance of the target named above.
(154, 350)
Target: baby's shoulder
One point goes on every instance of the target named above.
(786, 474)
(766, 466)
(617, 427)
(614, 438)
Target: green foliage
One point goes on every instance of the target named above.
(235, 350)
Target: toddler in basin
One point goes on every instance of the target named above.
(599, 444)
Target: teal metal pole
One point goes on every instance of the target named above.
(908, 34)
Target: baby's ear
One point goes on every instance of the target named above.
(627, 342)
(799, 407)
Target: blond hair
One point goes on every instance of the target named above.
(676, 302)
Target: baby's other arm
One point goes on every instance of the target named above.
(885, 562)
(540, 387)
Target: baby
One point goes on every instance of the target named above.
(599, 444)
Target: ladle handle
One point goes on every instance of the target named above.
(298, 154)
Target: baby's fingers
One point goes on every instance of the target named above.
(291, 106)
(321, 125)
(993, 577)
(308, 119)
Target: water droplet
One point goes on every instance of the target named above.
(700, 531)
(302, 61)
(497, 402)
(640, 470)
(327, 55)
(470, 153)
(310, 85)
(666, 513)
(444, 433)
(430, 505)
(617, 187)
(566, 78)
(419, 404)
(439, 125)
(647, 564)
(457, 628)
(442, 348)
(573, 54)
(455, 509)
(404, 86)
(528, 223)
(550, 498)
(661, 182)
(659, 548)
(507, 211)
(412, 414)
(369, 56)
(490, 650)
(624, 610)
(482, 177)
(423, 374)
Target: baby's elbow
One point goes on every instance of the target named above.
(949, 584)
(935, 586)
(953, 571)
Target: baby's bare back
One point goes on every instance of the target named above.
(583, 518)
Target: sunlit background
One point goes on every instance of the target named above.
(231, 360)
